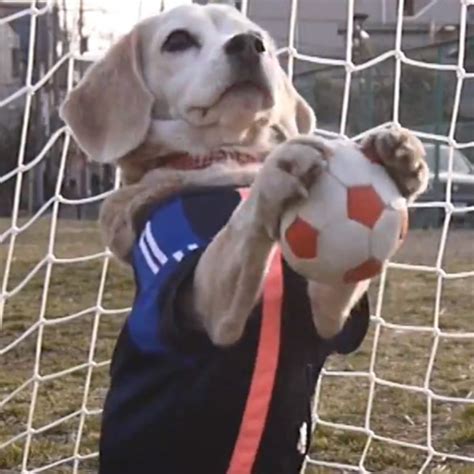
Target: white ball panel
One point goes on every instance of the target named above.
(343, 245)
(383, 184)
(385, 235)
(312, 269)
(350, 166)
(326, 202)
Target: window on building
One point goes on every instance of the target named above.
(16, 63)
(409, 8)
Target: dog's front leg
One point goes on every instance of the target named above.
(332, 305)
(229, 275)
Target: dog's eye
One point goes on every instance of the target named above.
(179, 40)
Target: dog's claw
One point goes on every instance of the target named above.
(403, 156)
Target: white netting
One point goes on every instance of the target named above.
(19, 425)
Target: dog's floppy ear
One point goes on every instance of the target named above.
(109, 111)
(295, 114)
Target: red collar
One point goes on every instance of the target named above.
(197, 162)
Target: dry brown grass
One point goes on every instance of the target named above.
(402, 356)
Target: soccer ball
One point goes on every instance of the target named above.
(352, 222)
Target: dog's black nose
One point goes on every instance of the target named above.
(245, 46)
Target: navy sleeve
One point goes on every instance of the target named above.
(179, 324)
(164, 258)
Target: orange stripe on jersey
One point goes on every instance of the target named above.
(264, 374)
(244, 193)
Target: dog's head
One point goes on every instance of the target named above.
(207, 66)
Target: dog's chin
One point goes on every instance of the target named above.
(238, 107)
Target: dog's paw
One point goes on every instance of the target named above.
(403, 156)
(286, 176)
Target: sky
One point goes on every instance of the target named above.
(124, 14)
(105, 20)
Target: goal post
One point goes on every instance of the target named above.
(63, 299)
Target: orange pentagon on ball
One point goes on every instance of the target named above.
(302, 239)
(364, 205)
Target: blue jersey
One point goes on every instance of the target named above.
(176, 401)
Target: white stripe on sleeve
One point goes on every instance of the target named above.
(150, 240)
(149, 259)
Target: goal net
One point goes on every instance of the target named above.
(405, 400)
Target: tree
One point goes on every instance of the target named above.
(9, 145)
(426, 97)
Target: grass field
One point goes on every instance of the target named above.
(402, 356)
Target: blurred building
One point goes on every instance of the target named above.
(14, 37)
(321, 22)
(9, 60)
(14, 52)
(430, 33)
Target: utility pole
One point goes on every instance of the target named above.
(80, 27)
(363, 50)
(82, 185)
(64, 29)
